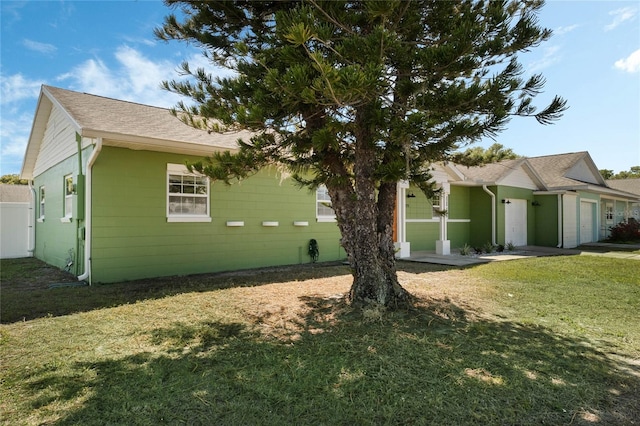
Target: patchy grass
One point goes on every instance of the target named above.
(280, 346)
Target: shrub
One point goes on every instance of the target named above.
(510, 246)
(628, 230)
(487, 247)
(500, 248)
(465, 250)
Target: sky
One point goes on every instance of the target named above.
(108, 48)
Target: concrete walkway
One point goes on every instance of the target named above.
(621, 251)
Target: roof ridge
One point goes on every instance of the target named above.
(564, 154)
(46, 86)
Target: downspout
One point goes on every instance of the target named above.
(31, 248)
(79, 142)
(493, 213)
(87, 212)
(560, 230)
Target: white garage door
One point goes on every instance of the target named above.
(586, 222)
(515, 222)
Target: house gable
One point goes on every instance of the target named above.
(583, 171)
(521, 177)
(58, 141)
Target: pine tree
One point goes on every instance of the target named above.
(357, 96)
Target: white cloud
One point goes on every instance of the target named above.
(550, 56)
(133, 77)
(16, 88)
(620, 16)
(45, 48)
(565, 30)
(629, 64)
(18, 102)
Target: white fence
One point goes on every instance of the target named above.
(14, 230)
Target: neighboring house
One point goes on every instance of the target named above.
(555, 201)
(15, 202)
(113, 200)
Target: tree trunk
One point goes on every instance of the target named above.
(365, 218)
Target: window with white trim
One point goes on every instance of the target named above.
(436, 201)
(608, 213)
(41, 212)
(324, 211)
(68, 196)
(187, 195)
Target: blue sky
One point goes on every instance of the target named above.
(107, 48)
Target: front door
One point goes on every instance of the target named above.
(515, 222)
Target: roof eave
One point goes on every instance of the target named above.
(140, 143)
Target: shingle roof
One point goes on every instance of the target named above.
(97, 114)
(627, 185)
(552, 169)
(491, 172)
(14, 193)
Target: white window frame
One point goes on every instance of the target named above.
(68, 197)
(181, 170)
(41, 203)
(436, 200)
(323, 199)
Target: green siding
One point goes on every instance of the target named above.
(132, 238)
(423, 233)
(480, 226)
(546, 221)
(56, 239)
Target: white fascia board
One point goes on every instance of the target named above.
(46, 103)
(147, 144)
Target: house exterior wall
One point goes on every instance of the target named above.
(459, 217)
(423, 226)
(546, 221)
(132, 238)
(480, 225)
(58, 239)
(58, 142)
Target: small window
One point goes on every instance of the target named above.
(435, 201)
(324, 211)
(187, 195)
(68, 195)
(41, 215)
(608, 212)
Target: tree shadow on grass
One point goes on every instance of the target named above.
(437, 364)
(26, 295)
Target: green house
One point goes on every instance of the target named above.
(113, 201)
(554, 201)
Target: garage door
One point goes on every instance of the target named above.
(586, 222)
(515, 222)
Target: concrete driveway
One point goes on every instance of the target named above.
(621, 251)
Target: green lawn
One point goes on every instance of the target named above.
(537, 341)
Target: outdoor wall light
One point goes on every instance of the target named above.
(411, 195)
(535, 203)
(505, 201)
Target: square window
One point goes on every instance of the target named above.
(187, 195)
(324, 211)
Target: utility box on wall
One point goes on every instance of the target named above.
(79, 198)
